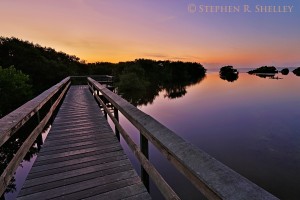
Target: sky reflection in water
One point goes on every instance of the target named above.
(251, 125)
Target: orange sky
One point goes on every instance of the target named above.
(121, 30)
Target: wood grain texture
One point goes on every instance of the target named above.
(81, 157)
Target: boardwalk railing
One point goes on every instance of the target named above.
(12, 122)
(210, 177)
(103, 79)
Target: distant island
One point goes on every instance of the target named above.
(285, 71)
(264, 69)
(297, 71)
(228, 73)
(270, 71)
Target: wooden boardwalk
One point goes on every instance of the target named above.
(81, 157)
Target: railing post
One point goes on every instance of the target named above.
(51, 104)
(39, 141)
(145, 151)
(38, 117)
(116, 114)
(105, 114)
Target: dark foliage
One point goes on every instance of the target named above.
(229, 74)
(14, 89)
(297, 71)
(139, 81)
(285, 71)
(44, 66)
(264, 69)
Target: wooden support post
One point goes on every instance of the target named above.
(145, 151)
(51, 104)
(105, 114)
(116, 115)
(38, 117)
(39, 141)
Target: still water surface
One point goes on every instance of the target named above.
(252, 125)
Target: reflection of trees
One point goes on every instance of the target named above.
(11, 147)
(265, 75)
(141, 81)
(12, 186)
(270, 76)
(229, 74)
(175, 91)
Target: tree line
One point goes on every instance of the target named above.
(27, 69)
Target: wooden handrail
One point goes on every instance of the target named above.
(165, 189)
(214, 179)
(12, 122)
(16, 119)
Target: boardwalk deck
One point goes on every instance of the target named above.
(81, 157)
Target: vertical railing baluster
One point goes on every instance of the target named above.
(51, 104)
(105, 114)
(116, 114)
(39, 139)
(145, 151)
(38, 117)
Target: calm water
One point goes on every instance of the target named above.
(252, 125)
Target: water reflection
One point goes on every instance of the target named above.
(141, 84)
(251, 125)
(267, 75)
(175, 91)
(8, 151)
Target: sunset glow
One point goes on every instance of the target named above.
(122, 30)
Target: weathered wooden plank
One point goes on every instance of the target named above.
(77, 129)
(86, 165)
(58, 150)
(63, 166)
(75, 138)
(143, 196)
(80, 186)
(79, 117)
(100, 189)
(70, 134)
(77, 156)
(76, 152)
(79, 174)
(121, 193)
(85, 122)
(79, 159)
(74, 134)
(67, 146)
